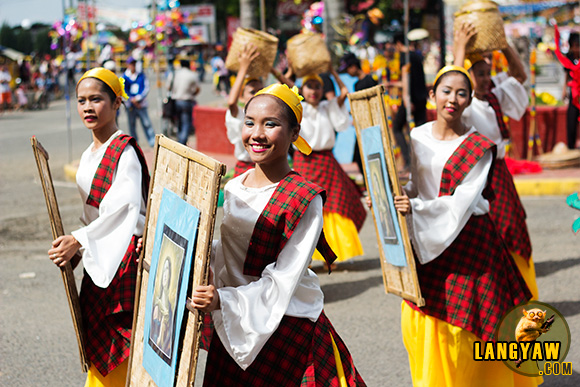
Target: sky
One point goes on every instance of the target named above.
(49, 11)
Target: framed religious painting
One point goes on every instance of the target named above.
(181, 210)
(375, 143)
(41, 156)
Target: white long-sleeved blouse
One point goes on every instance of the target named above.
(251, 308)
(234, 132)
(108, 230)
(320, 123)
(436, 221)
(512, 98)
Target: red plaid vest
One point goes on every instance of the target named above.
(474, 282)
(494, 103)
(279, 220)
(105, 172)
(108, 313)
(467, 154)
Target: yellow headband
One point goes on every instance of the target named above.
(471, 60)
(449, 68)
(109, 77)
(291, 98)
(311, 77)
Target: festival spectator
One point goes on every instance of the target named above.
(350, 64)
(5, 90)
(573, 113)
(418, 95)
(184, 88)
(137, 87)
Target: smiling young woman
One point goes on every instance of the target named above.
(266, 304)
(467, 276)
(113, 181)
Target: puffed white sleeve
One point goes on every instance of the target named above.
(234, 127)
(106, 239)
(338, 115)
(512, 96)
(436, 223)
(249, 314)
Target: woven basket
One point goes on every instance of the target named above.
(308, 54)
(267, 47)
(485, 16)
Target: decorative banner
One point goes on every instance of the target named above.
(203, 13)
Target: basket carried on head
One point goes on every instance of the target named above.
(484, 15)
(308, 54)
(267, 47)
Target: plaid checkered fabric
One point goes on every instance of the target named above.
(106, 170)
(278, 221)
(298, 353)
(343, 196)
(474, 282)
(507, 211)
(467, 154)
(108, 314)
(494, 103)
(241, 167)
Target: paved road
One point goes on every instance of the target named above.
(37, 343)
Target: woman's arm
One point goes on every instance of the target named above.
(515, 65)
(248, 54)
(105, 239)
(461, 37)
(250, 314)
(343, 90)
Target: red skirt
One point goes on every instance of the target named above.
(108, 314)
(474, 282)
(507, 211)
(298, 353)
(241, 167)
(342, 194)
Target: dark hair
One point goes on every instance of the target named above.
(453, 72)
(185, 63)
(574, 39)
(104, 88)
(287, 111)
(399, 37)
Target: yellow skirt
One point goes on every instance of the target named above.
(342, 236)
(441, 354)
(528, 272)
(115, 378)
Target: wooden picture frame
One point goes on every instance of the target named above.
(375, 142)
(196, 178)
(68, 279)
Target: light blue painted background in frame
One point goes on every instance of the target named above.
(182, 218)
(372, 143)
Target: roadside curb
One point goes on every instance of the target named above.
(70, 171)
(524, 185)
(547, 186)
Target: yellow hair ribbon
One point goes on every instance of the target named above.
(449, 68)
(292, 98)
(116, 84)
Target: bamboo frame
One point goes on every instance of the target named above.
(68, 279)
(196, 177)
(368, 109)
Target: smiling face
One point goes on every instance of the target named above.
(452, 96)
(312, 92)
(267, 133)
(95, 106)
